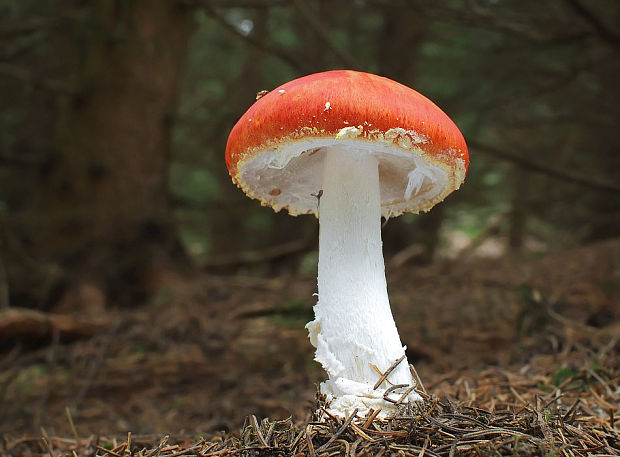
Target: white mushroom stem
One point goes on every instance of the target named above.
(353, 328)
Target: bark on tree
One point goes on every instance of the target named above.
(226, 232)
(103, 201)
(406, 30)
(518, 213)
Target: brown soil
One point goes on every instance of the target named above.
(210, 350)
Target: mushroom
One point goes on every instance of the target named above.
(350, 147)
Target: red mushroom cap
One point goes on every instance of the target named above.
(358, 109)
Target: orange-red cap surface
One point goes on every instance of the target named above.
(352, 105)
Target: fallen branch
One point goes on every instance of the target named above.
(260, 255)
(254, 4)
(32, 324)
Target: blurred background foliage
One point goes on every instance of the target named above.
(115, 114)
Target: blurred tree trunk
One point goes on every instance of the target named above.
(227, 231)
(518, 210)
(404, 31)
(249, 226)
(312, 47)
(103, 204)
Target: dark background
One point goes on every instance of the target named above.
(115, 199)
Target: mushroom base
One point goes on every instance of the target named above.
(353, 331)
(344, 396)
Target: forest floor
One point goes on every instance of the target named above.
(539, 338)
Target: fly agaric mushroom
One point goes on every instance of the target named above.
(350, 147)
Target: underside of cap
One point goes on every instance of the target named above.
(289, 175)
